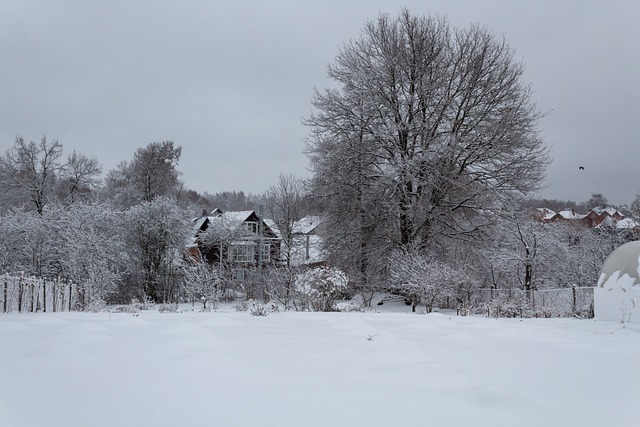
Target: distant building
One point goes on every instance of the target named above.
(234, 240)
(594, 218)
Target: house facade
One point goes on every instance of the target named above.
(238, 240)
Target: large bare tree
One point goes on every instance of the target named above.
(429, 127)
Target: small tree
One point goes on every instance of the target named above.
(202, 282)
(321, 287)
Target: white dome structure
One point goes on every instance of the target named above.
(617, 294)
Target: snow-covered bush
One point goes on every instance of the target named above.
(349, 306)
(321, 287)
(203, 283)
(167, 308)
(422, 280)
(256, 309)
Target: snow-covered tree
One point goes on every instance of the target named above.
(321, 287)
(28, 242)
(92, 251)
(423, 280)
(202, 282)
(152, 173)
(431, 122)
(156, 234)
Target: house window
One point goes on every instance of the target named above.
(266, 252)
(252, 227)
(242, 253)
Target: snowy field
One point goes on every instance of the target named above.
(229, 368)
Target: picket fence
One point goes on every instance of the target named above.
(31, 294)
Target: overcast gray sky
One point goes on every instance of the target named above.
(229, 81)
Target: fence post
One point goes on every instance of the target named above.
(6, 286)
(44, 295)
(55, 294)
(33, 295)
(62, 289)
(20, 291)
(37, 291)
(575, 303)
(70, 289)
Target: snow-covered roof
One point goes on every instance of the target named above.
(225, 222)
(306, 224)
(570, 214)
(274, 227)
(609, 210)
(627, 223)
(546, 213)
(234, 219)
(228, 221)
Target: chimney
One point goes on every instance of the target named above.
(204, 212)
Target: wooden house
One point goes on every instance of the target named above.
(239, 239)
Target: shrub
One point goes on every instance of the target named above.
(321, 287)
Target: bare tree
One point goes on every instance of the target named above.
(285, 204)
(28, 172)
(80, 175)
(432, 126)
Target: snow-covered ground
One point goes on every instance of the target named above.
(229, 368)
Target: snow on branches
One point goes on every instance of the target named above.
(321, 287)
(422, 280)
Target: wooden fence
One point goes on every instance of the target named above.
(23, 294)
